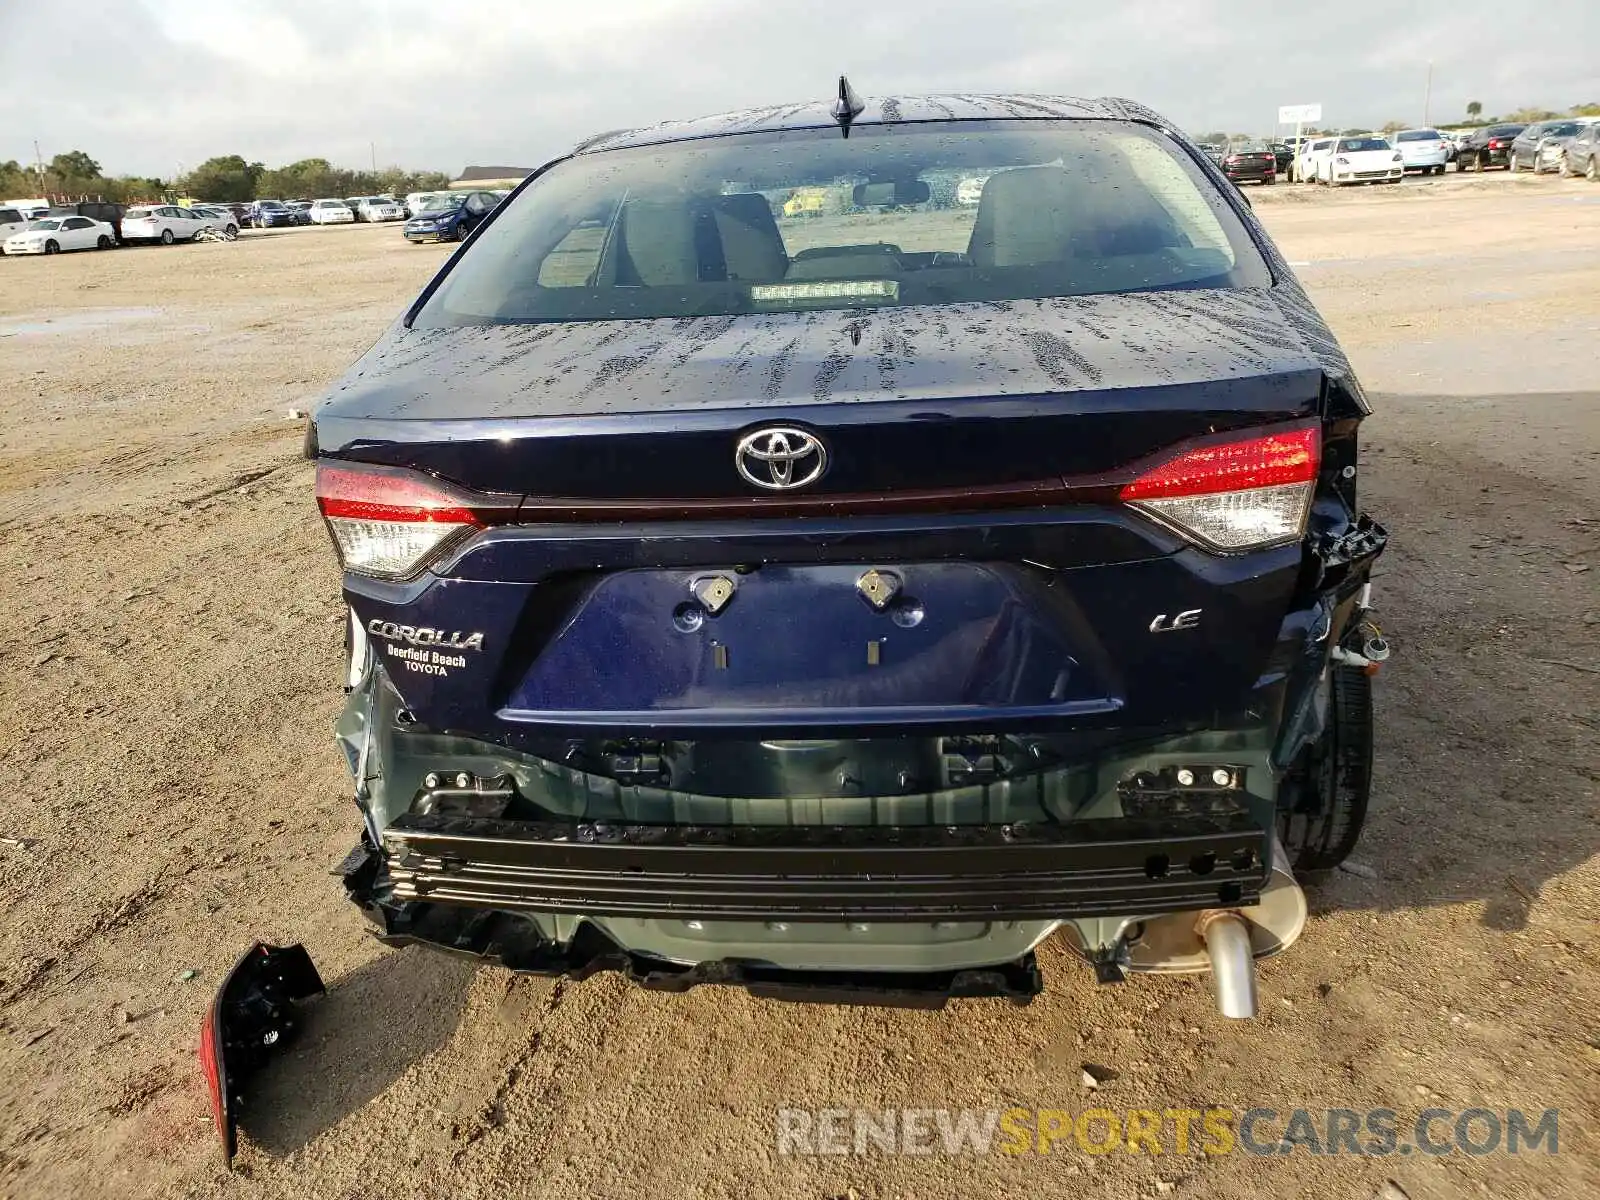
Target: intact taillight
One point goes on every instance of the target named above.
(1233, 496)
(388, 522)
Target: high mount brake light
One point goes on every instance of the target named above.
(1234, 496)
(388, 523)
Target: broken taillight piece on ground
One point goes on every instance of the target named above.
(252, 1016)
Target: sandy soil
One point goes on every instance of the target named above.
(173, 666)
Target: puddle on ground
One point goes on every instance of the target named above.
(85, 320)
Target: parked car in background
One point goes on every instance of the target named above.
(52, 235)
(1424, 150)
(1582, 155)
(1523, 154)
(1312, 152)
(1212, 151)
(301, 210)
(380, 208)
(458, 215)
(12, 220)
(416, 202)
(166, 223)
(270, 214)
(1541, 146)
(331, 212)
(221, 214)
(31, 209)
(1369, 159)
(1487, 147)
(1250, 162)
(681, 625)
(1282, 155)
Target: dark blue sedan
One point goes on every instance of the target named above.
(835, 548)
(453, 220)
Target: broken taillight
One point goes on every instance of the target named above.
(1237, 495)
(388, 522)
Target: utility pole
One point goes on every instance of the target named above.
(38, 163)
(373, 146)
(1427, 98)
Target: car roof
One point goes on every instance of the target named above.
(878, 110)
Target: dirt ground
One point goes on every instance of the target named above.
(171, 790)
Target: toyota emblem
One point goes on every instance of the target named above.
(781, 457)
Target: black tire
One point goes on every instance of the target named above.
(1323, 806)
(1592, 173)
(166, 237)
(102, 243)
(52, 247)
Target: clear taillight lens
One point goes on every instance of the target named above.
(388, 523)
(1234, 496)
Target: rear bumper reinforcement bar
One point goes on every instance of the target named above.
(1124, 866)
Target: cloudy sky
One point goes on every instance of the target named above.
(148, 85)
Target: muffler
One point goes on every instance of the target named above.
(1225, 941)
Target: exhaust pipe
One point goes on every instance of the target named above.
(1226, 935)
(1224, 941)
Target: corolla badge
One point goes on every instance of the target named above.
(422, 635)
(781, 457)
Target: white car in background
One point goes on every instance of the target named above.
(165, 223)
(52, 235)
(12, 220)
(1312, 151)
(330, 212)
(420, 202)
(1366, 159)
(380, 208)
(1424, 150)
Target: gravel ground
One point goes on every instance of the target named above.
(173, 670)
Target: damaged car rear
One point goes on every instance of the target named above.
(840, 604)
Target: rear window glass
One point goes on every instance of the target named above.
(931, 213)
(1417, 135)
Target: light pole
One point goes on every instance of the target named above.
(1427, 98)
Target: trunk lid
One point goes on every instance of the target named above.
(956, 397)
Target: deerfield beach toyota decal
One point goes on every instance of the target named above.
(425, 653)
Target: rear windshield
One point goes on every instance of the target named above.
(928, 213)
(1502, 130)
(1418, 135)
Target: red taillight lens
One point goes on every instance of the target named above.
(1234, 496)
(211, 1067)
(388, 523)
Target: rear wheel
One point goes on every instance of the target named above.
(1593, 172)
(1323, 806)
(166, 237)
(102, 243)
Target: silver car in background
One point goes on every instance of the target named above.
(1423, 150)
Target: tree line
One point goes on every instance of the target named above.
(228, 178)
